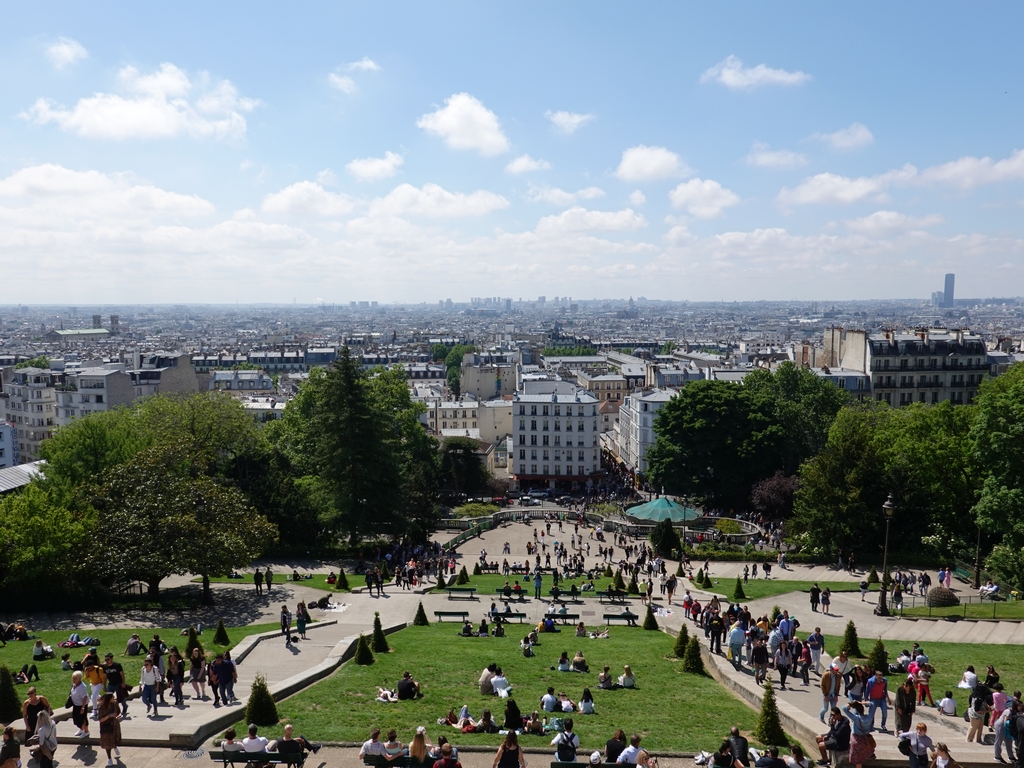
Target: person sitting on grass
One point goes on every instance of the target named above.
(467, 629)
(565, 703)
(627, 679)
(484, 629)
(563, 665)
(535, 725)
(579, 663)
(549, 625)
(527, 647)
(605, 681)
(581, 630)
(407, 687)
(587, 702)
(486, 724)
(947, 706)
(42, 652)
(500, 684)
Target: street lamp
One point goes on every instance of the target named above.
(889, 509)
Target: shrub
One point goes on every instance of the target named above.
(708, 584)
(421, 617)
(364, 656)
(679, 570)
(728, 525)
(193, 642)
(692, 660)
(380, 640)
(878, 659)
(463, 577)
(776, 612)
(220, 637)
(608, 572)
(850, 643)
(261, 709)
(738, 593)
(342, 584)
(476, 569)
(10, 704)
(873, 576)
(385, 574)
(768, 729)
(699, 578)
(475, 509)
(679, 649)
(650, 622)
(620, 585)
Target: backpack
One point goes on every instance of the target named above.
(1017, 727)
(565, 750)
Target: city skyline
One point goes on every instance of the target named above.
(410, 154)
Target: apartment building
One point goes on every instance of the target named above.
(163, 372)
(30, 403)
(487, 376)
(8, 456)
(240, 381)
(634, 434)
(555, 439)
(91, 390)
(603, 386)
(461, 414)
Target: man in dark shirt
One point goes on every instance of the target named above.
(740, 747)
(290, 744)
(815, 597)
(717, 627)
(759, 660)
(614, 746)
(838, 737)
(770, 759)
(115, 681)
(407, 687)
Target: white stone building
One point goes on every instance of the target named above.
(555, 439)
(635, 431)
(92, 390)
(30, 403)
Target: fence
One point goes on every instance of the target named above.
(970, 607)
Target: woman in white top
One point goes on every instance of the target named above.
(797, 759)
(46, 731)
(627, 679)
(79, 702)
(942, 759)
(587, 702)
(969, 681)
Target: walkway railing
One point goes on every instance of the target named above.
(970, 607)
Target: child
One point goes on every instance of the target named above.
(948, 705)
(924, 676)
(863, 590)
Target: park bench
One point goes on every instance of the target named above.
(230, 757)
(403, 761)
(500, 591)
(963, 574)
(513, 615)
(567, 617)
(629, 618)
(489, 568)
(468, 592)
(462, 615)
(564, 596)
(612, 596)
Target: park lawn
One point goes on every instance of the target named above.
(987, 610)
(488, 584)
(55, 684)
(950, 660)
(670, 709)
(319, 581)
(758, 588)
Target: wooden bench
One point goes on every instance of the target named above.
(486, 569)
(500, 592)
(612, 596)
(404, 761)
(564, 596)
(230, 757)
(514, 615)
(463, 615)
(629, 618)
(469, 592)
(567, 617)
(963, 574)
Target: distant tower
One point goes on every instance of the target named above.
(115, 324)
(97, 321)
(947, 295)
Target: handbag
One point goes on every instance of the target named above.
(69, 703)
(904, 747)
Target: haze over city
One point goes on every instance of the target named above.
(416, 153)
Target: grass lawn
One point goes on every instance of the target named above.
(950, 660)
(670, 709)
(55, 684)
(758, 588)
(319, 581)
(487, 584)
(988, 610)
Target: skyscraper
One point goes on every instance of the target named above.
(947, 295)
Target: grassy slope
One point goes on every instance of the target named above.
(55, 684)
(488, 583)
(672, 710)
(758, 588)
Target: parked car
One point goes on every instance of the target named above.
(540, 494)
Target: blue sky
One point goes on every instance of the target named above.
(407, 152)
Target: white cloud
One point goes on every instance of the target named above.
(731, 73)
(763, 156)
(365, 64)
(970, 172)
(307, 198)
(66, 52)
(343, 83)
(882, 222)
(643, 163)
(434, 201)
(578, 219)
(703, 198)
(637, 198)
(327, 178)
(568, 122)
(560, 197)
(465, 123)
(526, 164)
(845, 139)
(375, 168)
(155, 106)
(833, 189)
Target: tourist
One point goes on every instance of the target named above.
(291, 744)
(815, 593)
(419, 749)
(920, 743)
(923, 678)
(1002, 732)
(527, 646)
(134, 646)
(42, 652)
(566, 743)
(230, 743)
(783, 662)
(581, 630)
(484, 683)
(740, 747)
(563, 664)
(906, 703)
(301, 619)
(837, 740)
(197, 673)
(110, 726)
(256, 743)
(10, 749)
(393, 748)
(229, 680)
(947, 705)
(969, 680)
(286, 621)
(30, 710)
(513, 720)
(797, 759)
(862, 743)
(627, 679)
(486, 724)
(175, 676)
(829, 691)
(535, 725)
(735, 642)
(876, 689)
(80, 702)
(500, 683)
(816, 644)
(407, 688)
(991, 676)
(770, 759)
(257, 579)
(614, 746)
(509, 755)
(149, 678)
(826, 600)
(941, 757)
(629, 754)
(977, 709)
(759, 661)
(268, 578)
(372, 746)
(587, 702)
(46, 740)
(448, 759)
(93, 675)
(549, 702)
(579, 663)
(605, 680)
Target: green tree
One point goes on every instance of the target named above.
(692, 660)
(261, 708)
(39, 361)
(619, 584)
(873, 576)
(220, 637)
(768, 728)
(878, 659)
(438, 352)
(463, 577)
(850, 642)
(737, 592)
(380, 640)
(342, 583)
(10, 704)
(363, 655)
(462, 470)
(682, 639)
(665, 539)
(193, 642)
(650, 623)
(420, 620)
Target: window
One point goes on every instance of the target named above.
(533, 425)
(545, 425)
(533, 439)
(558, 469)
(579, 410)
(522, 453)
(545, 469)
(568, 426)
(546, 456)
(444, 425)
(581, 471)
(545, 439)
(474, 425)
(558, 425)
(533, 455)
(545, 409)
(582, 428)
(522, 425)
(522, 439)
(558, 410)
(522, 410)
(558, 439)
(568, 469)
(533, 410)
(533, 469)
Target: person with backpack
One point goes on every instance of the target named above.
(877, 692)
(566, 743)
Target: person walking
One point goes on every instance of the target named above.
(538, 582)
(815, 597)
(110, 727)
(830, 688)
(80, 704)
(816, 644)
(301, 619)
(148, 680)
(286, 625)
(877, 692)
(257, 579)
(197, 673)
(268, 578)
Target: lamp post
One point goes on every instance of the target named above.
(883, 609)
